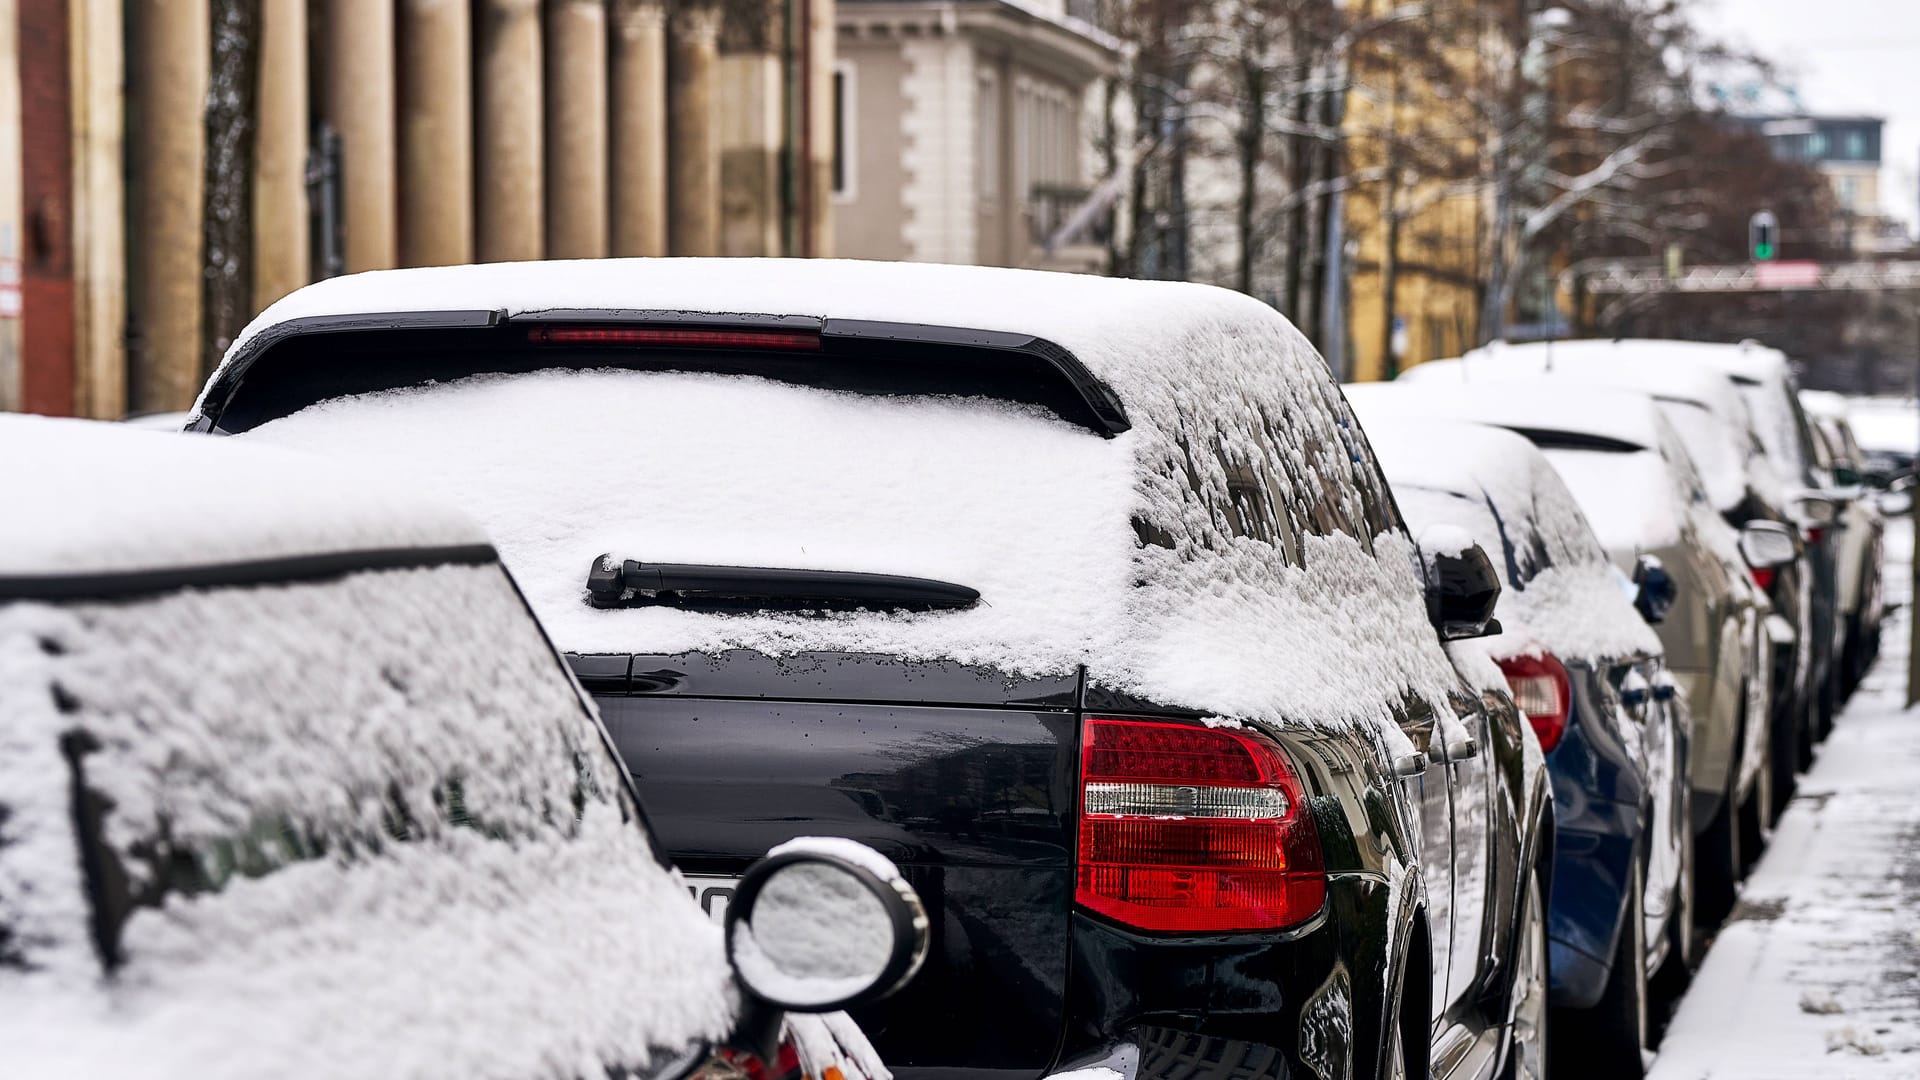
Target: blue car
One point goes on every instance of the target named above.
(1578, 649)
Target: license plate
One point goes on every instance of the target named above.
(712, 893)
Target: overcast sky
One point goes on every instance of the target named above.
(1844, 56)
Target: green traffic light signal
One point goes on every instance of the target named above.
(1763, 252)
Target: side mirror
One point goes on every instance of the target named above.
(1768, 545)
(1462, 585)
(823, 925)
(1655, 591)
(1817, 509)
(1895, 502)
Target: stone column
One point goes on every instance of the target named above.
(360, 106)
(12, 210)
(816, 204)
(436, 134)
(693, 151)
(96, 51)
(577, 129)
(639, 141)
(281, 240)
(751, 118)
(507, 147)
(168, 95)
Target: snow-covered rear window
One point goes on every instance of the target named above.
(364, 825)
(1628, 496)
(1228, 553)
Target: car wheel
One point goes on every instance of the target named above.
(1717, 865)
(1610, 1040)
(1527, 1049)
(1756, 814)
(1677, 971)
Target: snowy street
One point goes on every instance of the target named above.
(1818, 972)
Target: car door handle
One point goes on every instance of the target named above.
(1463, 749)
(1408, 766)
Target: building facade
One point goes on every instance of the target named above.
(1847, 151)
(169, 167)
(963, 131)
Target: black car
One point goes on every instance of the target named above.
(1082, 600)
(292, 784)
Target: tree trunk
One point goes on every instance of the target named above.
(228, 224)
(1253, 122)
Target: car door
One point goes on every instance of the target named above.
(1469, 783)
(1430, 793)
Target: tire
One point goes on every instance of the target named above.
(1529, 1020)
(1683, 943)
(1756, 815)
(1828, 706)
(1717, 864)
(1610, 1040)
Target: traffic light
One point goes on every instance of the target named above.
(1763, 236)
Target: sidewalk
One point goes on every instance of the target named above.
(1818, 973)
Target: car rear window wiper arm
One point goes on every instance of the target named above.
(613, 583)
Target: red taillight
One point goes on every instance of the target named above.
(681, 337)
(1815, 534)
(1762, 576)
(1194, 828)
(1541, 689)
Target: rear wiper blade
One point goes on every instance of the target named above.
(613, 583)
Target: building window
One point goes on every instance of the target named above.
(843, 149)
(1856, 146)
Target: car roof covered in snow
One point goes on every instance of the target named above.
(103, 500)
(1703, 403)
(1562, 594)
(1645, 370)
(1747, 359)
(1126, 332)
(1597, 413)
(740, 467)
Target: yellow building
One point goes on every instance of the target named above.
(1419, 216)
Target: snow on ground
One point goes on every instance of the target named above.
(1818, 972)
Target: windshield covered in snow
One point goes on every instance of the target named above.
(364, 821)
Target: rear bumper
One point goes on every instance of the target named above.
(1592, 867)
(1306, 1003)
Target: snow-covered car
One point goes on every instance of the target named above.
(1633, 478)
(1862, 527)
(1727, 441)
(1081, 599)
(293, 784)
(1577, 647)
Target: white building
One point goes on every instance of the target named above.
(964, 130)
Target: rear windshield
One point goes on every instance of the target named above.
(1716, 448)
(372, 805)
(304, 370)
(1627, 497)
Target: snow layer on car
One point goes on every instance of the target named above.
(1703, 405)
(1028, 509)
(1560, 594)
(1031, 511)
(348, 809)
(1611, 486)
(91, 498)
